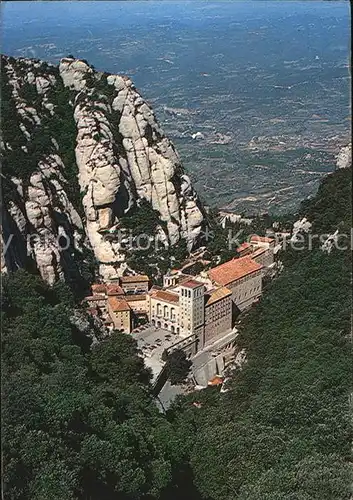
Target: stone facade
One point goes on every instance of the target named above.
(120, 314)
(263, 250)
(97, 301)
(243, 277)
(164, 310)
(200, 309)
(189, 309)
(218, 315)
(192, 308)
(246, 290)
(137, 303)
(190, 345)
(120, 302)
(138, 283)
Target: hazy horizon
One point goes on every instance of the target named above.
(236, 70)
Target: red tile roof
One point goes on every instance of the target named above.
(118, 304)
(191, 283)
(233, 270)
(134, 298)
(93, 298)
(134, 279)
(165, 296)
(98, 288)
(262, 239)
(216, 381)
(244, 246)
(217, 294)
(258, 252)
(115, 290)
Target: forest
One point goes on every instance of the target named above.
(80, 420)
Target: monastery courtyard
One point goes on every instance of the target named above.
(207, 363)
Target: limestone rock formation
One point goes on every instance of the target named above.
(300, 226)
(120, 156)
(45, 219)
(344, 157)
(331, 242)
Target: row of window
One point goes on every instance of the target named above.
(215, 324)
(166, 326)
(164, 310)
(217, 315)
(248, 293)
(219, 307)
(198, 292)
(246, 278)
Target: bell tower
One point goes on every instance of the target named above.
(192, 307)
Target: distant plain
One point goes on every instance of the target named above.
(264, 85)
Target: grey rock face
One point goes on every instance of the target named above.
(344, 157)
(122, 158)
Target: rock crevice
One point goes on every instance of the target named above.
(122, 155)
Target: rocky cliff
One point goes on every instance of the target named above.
(81, 150)
(344, 157)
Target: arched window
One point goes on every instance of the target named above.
(159, 310)
(165, 315)
(172, 313)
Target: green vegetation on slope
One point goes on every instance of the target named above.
(77, 423)
(145, 252)
(177, 366)
(62, 127)
(15, 160)
(81, 423)
(283, 430)
(21, 158)
(331, 208)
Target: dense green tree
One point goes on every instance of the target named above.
(76, 424)
(177, 366)
(318, 477)
(141, 219)
(283, 430)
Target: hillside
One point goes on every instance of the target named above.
(283, 430)
(86, 163)
(77, 423)
(80, 421)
